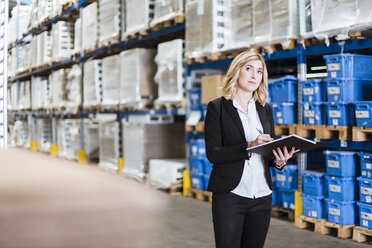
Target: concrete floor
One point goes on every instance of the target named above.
(55, 203)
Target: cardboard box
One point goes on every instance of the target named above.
(211, 88)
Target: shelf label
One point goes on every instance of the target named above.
(334, 90)
(333, 67)
(309, 113)
(366, 191)
(314, 213)
(366, 216)
(333, 164)
(280, 178)
(334, 211)
(308, 91)
(335, 188)
(361, 114)
(334, 113)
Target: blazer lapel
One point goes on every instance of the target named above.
(234, 115)
(263, 117)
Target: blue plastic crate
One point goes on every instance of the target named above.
(287, 178)
(314, 183)
(346, 65)
(277, 197)
(197, 180)
(341, 188)
(193, 149)
(340, 212)
(365, 164)
(314, 90)
(288, 198)
(207, 167)
(348, 90)
(195, 99)
(273, 176)
(365, 190)
(206, 181)
(314, 113)
(204, 112)
(365, 214)
(283, 89)
(363, 113)
(341, 163)
(285, 113)
(314, 206)
(340, 114)
(197, 166)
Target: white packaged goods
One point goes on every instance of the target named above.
(90, 34)
(73, 89)
(241, 24)
(63, 40)
(24, 95)
(34, 14)
(57, 83)
(137, 70)
(20, 133)
(109, 21)
(43, 134)
(57, 6)
(24, 54)
(45, 9)
(138, 15)
(109, 144)
(91, 139)
(44, 48)
(14, 96)
(170, 72)
(23, 18)
(77, 36)
(110, 80)
(274, 21)
(207, 27)
(142, 142)
(41, 96)
(165, 172)
(92, 83)
(166, 10)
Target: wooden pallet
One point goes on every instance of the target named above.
(285, 129)
(303, 222)
(278, 211)
(343, 231)
(361, 234)
(176, 188)
(96, 108)
(228, 54)
(201, 59)
(358, 35)
(336, 132)
(110, 41)
(67, 6)
(168, 23)
(281, 46)
(170, 105)
(362, 133)
(198, 128)
(200, 195)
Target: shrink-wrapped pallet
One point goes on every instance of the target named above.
(109, 21)
(24, 95)
(41, 96)
(77, 36)
(137, 70)
(241, 24)
(43, 134)
(91, 139)
(34, 54)
(110, 80)
(20, 133)
(109, 135)
(14, 96)
(34, 14)
(138, 15)
(73, 89)
(89, 30)
(57, 83)
(63, 40)
(207, 27)
(70, 139)
(165, 172)
(166, 10)
(92, 83)
(21, 19)
(45, 9)
(44, 48)
(142, 142)
(170, 72)
(24, 54)
(57, 6)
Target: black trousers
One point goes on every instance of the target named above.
(240, 222)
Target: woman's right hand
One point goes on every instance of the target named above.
(261, 139)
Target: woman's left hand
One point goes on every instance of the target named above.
(281, 157)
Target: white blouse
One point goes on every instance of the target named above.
(253, 182)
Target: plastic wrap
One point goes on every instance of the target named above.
(170, 73)
(24, 95)
(167, 9)
(90, 37)
(23, 19)
(20, 133)
(241, 24)
(43, 134)
(137, 70)
(77, 36)
(91, 139)
(109, 20)
(165, 172)
(40, 93)
(57, 82)
(63, 40)
(70, 139)
(138, 15)
(45, 9)
(92, 83)
(57, 6)
(14, 96)
(110, 80)
(109, 144)
(142, 142)
(34, 53)
(73, 89)
(44, 47)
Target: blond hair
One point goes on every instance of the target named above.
(230, 81)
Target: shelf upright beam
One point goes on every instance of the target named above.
(3, 75)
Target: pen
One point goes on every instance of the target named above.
(258, 130)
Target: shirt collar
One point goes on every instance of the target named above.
(251, 104)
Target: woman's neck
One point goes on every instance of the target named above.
(243, 99)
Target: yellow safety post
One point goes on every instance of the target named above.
(33, 145)
(186, 182)
(121, 165)
(53, 150)
(298, 204)
(83, 157)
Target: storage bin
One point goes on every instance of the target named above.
(348, 65)
(341, 164)
(273, 176)
(365, 190)
(197, 180)
(206, 181)
(276, 195)
(340, 114)
(348, 90)
(195, 98)
(365, 214)
(314, 183)
(288, 198)
(287, 178)
(204, 113)
(314, 206)
(340, 212)
(197, 149)
(314, 90)
(341, 188)
(314, 113)
(197, 166)
(366, 164)
(207, 167)
(283, 89)
(363, 113)
(284, 113)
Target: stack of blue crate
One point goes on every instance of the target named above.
(195, 101)
(349, 84)
(315, 192)
(365, 190)
(286, 183)
(200, 166)
(314, 102)
(276, 195)
(283, 94)
(342, 169)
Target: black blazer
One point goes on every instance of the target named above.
(226, 144)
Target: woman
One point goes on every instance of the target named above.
(241, 182)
